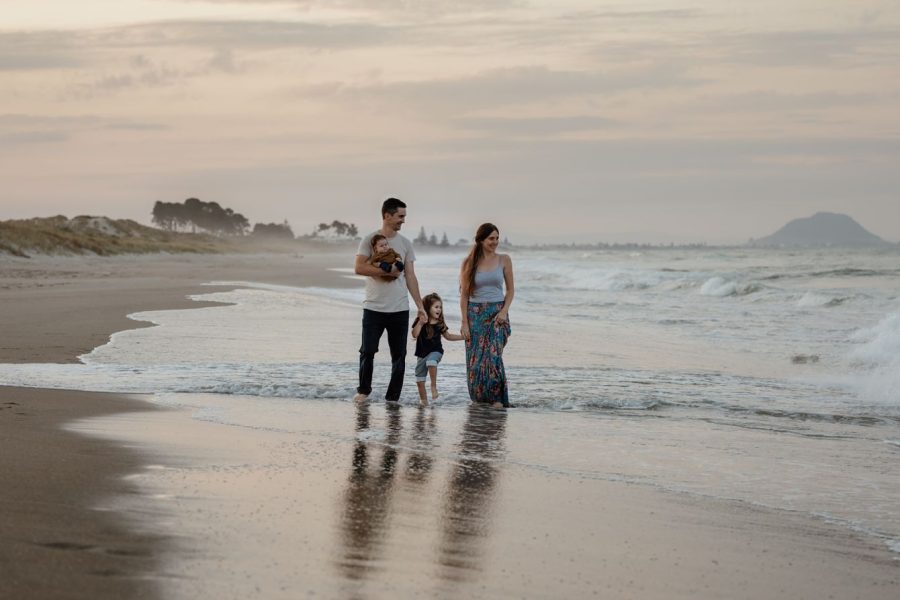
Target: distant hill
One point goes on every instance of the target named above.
(104, 236)
(821, 229)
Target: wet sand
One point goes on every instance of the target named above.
(360, 503)
(54, 543)
(379, 502)
(56, 308)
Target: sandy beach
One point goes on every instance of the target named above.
(54, 543)
(108, 496)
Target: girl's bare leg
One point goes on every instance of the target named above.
(432, 371)
(423, 398)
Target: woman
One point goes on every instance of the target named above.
(484, 306)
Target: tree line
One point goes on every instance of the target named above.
(425, 240)
(195, 215)
(339, 228)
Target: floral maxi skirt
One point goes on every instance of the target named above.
(484, 354)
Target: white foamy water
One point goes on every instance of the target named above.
(768, 377)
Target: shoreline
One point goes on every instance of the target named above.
(54, 542)
(702, 548)
(64, 307)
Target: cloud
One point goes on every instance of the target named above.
(763, 101)
(66, 48)
(497, 88)
(23, 61)
(654, 15)
(223, 60)
(31, 137)
(16, 129)
(136, 126)
(246, 34)
(70, 48)
(11, 120)
(20, 51)
(801, 48)
(535, 126)
(811, 47)
(143, 73)
(306, 35)
(416, 7)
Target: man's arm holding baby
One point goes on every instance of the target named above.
(362, 267)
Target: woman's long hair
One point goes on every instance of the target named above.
(467, 283)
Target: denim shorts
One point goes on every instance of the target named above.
(422, 364)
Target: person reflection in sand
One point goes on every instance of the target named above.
(368, 497)
(421, 456)
(467, 510)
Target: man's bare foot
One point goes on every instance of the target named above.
(423, 402)
(434, 392)
(360, 398)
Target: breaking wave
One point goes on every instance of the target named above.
(721, 287)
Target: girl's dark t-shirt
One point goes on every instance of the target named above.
(426, 344)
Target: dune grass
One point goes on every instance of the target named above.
(106, 237)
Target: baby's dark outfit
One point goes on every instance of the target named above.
(385, 260)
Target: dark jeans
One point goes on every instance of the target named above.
(373, 325)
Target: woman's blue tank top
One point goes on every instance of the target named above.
(488, 286)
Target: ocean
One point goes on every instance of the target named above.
(767, 377)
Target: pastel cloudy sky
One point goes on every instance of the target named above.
(655, 120)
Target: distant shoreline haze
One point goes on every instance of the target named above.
(103, 236)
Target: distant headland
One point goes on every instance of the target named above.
(822, 229)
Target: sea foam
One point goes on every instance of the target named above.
(877, 358)
(721, 287)
(813, 299)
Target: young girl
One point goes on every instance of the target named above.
(429, 349)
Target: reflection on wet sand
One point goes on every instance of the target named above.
(421, 456)
(367, 498)
(466, 516)
(383, 493)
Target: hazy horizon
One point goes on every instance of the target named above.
(657, 122)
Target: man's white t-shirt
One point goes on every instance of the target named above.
(387, 294)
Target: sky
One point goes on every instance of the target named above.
(558, 120)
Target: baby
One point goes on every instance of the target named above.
(383, 256)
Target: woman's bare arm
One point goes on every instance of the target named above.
(508, 278)
(463, 302)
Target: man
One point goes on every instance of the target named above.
(387, 304)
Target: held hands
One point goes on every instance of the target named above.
(464, 330)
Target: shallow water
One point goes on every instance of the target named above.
(769, 377)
